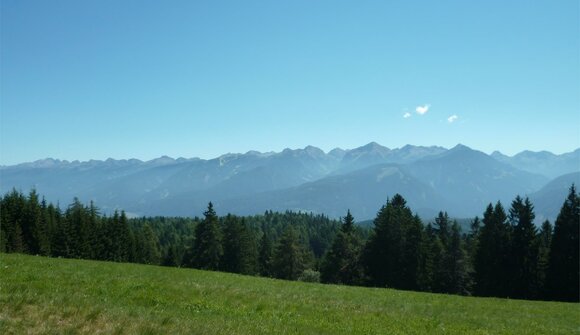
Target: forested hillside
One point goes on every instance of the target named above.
(503, 254)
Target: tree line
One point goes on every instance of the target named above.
(503, 254)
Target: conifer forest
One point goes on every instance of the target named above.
(501, 254)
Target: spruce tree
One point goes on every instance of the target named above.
(491, 272)
(288, 262)
(32, 231)
(240, 252)
(340, 264)
(564, 268)
(442, 227)
(456, 279)
(431, 255)
(544, 239)
(392, 254)
(411, 252)
(265, 255)
(207, 248)
(11, 211)
(150, 247)
(524, 255)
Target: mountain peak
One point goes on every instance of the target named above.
(460, 147)
(311, 150)
(161, 160)
(374, 145)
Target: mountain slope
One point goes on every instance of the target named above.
(461, 180)
(549, 199)
(363, 192)
(470, 179)
(543, 162)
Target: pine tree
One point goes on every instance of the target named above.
(17, 241)
(442, 227)
(544, 239)
(150, 247)
(524, 255)
(563, 271)
(431, 255)
(240, 252)
(31, 224)
(491, 272)
(46, 229)
(11, 212)
(411, 252)
(392, 254)
(340, 264)
(287, 262)
(77, 217)
(207, 248)
(456, 279)
(59, 244)
(265, 255)
(93, 231)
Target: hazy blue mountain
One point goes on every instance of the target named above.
(135, 185)
(543, 162)
(374, 153)
(363, 191)
(470, 179)
(367, 155)
(549, 199)
(461, 181)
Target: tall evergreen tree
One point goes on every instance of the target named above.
(491, 272)
(150, 247)
(240, 251)
(11, 213)
(265, 255)
(454, 265)
(411, 252)
(32, 231)
(76, 216)
(431, 256)
(524, 253)
(544, 240)
(392, 253)
(443, 228)
(60, 241)
(564, 268)
(340, 264)
(207, 248)
(288, 262)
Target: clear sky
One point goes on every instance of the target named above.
(140, 79)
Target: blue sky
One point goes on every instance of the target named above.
(140, 79)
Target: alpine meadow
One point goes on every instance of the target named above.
(259, 167)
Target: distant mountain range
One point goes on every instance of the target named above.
(460, 180)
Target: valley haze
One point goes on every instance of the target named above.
(460, 180)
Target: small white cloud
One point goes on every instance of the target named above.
(452, 118)
(422, 109)
(407, 115)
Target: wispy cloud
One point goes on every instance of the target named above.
(422, 109)
(407, 115)
(452, 118)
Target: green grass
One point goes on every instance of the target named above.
(43, 296)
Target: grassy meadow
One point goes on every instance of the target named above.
(62, 296)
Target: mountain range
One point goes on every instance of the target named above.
(459, 180)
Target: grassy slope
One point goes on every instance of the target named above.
(43, 295)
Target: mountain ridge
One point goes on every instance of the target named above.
(460, 180)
